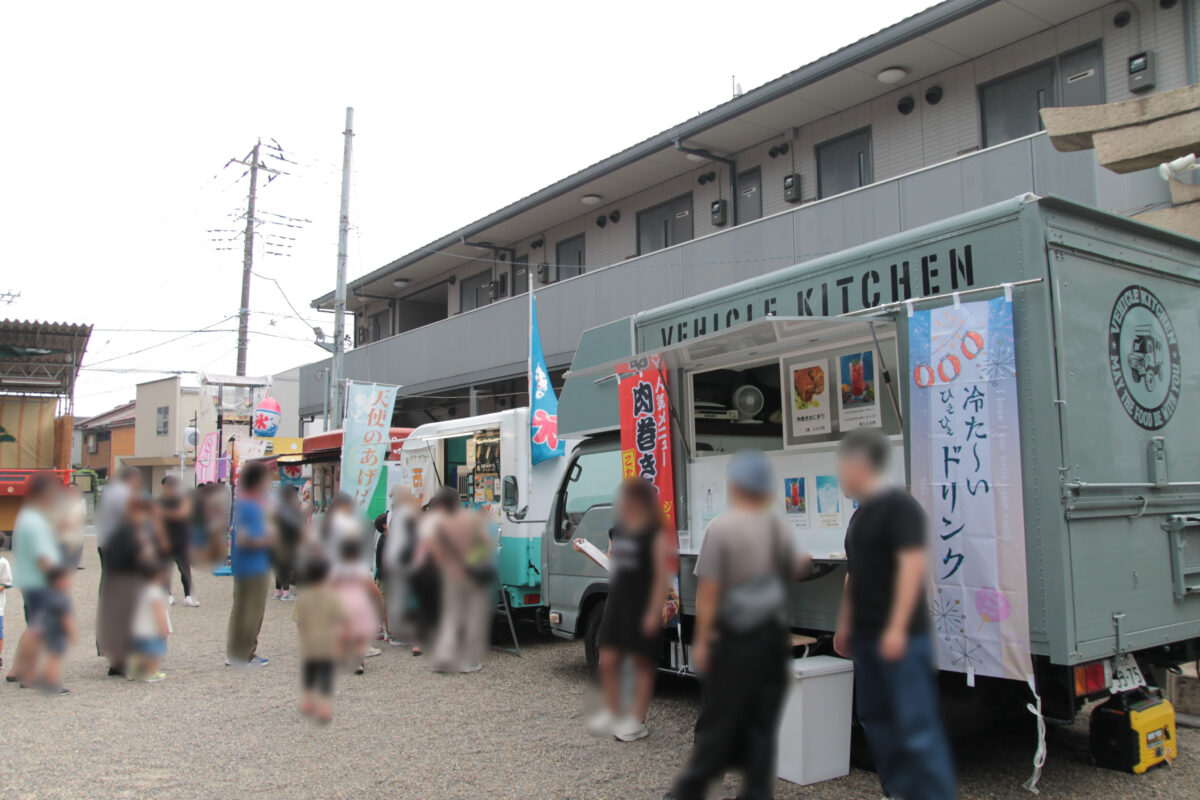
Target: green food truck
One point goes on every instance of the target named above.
(1036, 365)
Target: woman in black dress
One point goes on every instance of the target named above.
(632, 623)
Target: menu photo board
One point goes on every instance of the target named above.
(809, 410)
(828, 392)
(808, 499)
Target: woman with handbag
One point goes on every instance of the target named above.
(463, 552)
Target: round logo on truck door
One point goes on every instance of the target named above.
(1143, 357)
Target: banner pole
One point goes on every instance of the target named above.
(529, 347)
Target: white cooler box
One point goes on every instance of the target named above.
(814, 734)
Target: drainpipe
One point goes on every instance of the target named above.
(729, 162)
(495, 248)
(1189, 40)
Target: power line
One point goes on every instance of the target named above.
(161, 344)
(135, 370)
(286, 299)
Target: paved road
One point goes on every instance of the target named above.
(513, 730)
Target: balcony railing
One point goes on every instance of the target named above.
(489, 343)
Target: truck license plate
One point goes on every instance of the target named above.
(1127, 676)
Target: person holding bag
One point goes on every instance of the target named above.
(740, 646)
(463, 553)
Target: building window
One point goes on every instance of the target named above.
(162, 416)
(93, 444)
(474, 291)
(381, 325)
(749, 195)
(569, 256)
(666, 224)
(844, 163)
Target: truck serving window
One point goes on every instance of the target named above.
(591, 482)
(804, 397)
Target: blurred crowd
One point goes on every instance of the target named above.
(424, 577)
(420, 577)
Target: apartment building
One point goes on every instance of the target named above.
(935, 115)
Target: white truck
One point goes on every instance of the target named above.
(487, 458)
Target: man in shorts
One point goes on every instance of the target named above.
(55, 625)
(35, 553)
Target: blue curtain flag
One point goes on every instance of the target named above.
(543, 404)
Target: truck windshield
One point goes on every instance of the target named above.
(599, 474)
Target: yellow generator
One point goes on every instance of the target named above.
(1133, 732)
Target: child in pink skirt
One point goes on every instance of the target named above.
(361, 599)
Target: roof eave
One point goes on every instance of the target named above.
(903, 31)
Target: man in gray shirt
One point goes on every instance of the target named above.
(740, 646)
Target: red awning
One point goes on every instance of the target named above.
(328, 446)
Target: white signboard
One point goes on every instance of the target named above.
(818, 528)
(416, 470)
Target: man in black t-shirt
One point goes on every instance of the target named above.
(884, 626)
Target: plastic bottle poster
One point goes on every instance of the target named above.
(829, 502)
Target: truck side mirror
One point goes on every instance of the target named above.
(510, 494)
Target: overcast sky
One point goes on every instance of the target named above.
(121, 116)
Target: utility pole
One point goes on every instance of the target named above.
(337, 382)
(252, 162)
(247, 264)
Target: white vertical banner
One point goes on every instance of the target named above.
(365, 438)
(966, 471)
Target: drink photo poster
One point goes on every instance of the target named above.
(858, 395)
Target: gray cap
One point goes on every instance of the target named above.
(751, 471)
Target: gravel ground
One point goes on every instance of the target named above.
(514, 730)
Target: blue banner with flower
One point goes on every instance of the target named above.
(543, 403)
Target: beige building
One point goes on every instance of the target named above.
(165, 410)
(931, 117)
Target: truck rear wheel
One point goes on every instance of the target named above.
(591, 636)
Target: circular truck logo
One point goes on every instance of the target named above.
(1143, 356)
